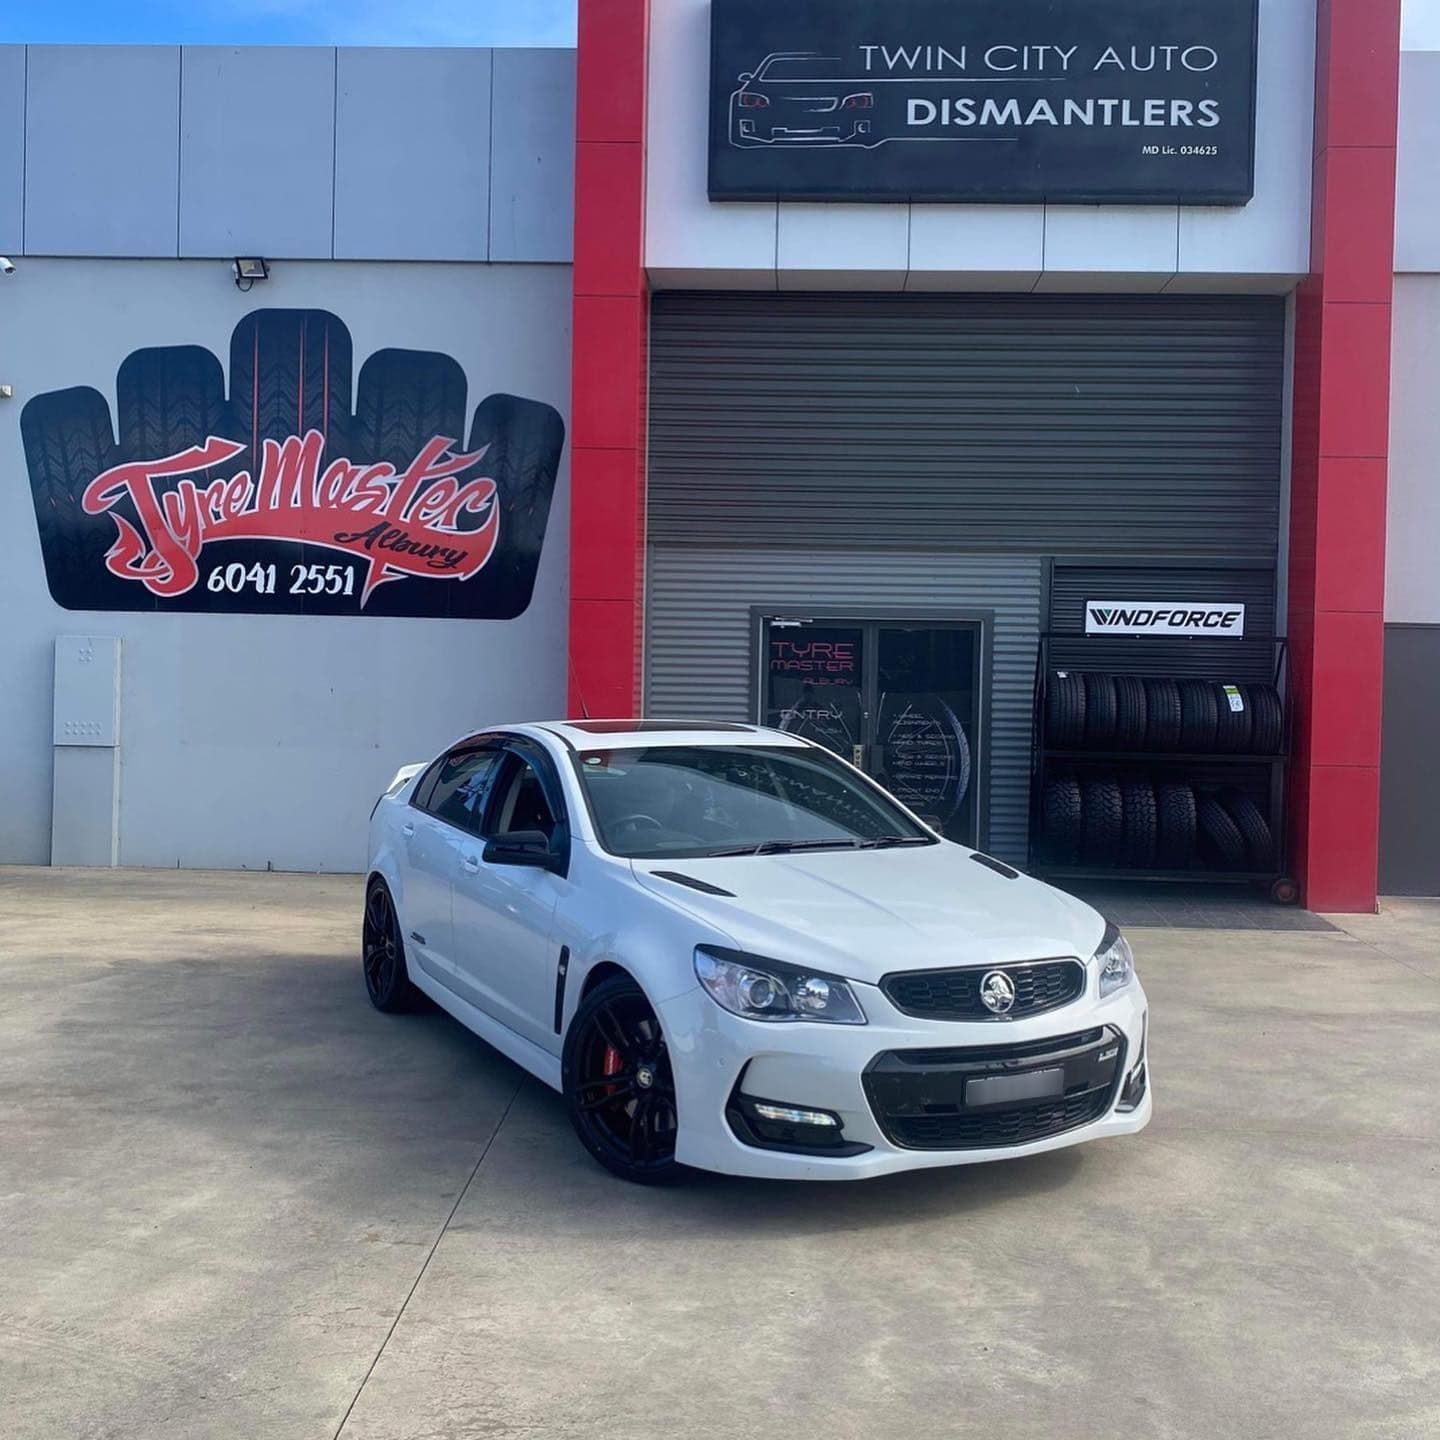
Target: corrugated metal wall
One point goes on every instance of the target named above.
(1087, 425)
(700, 637)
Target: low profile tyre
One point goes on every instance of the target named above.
(1060, 820)
(1099, 711)
(619, 1087)
(1253, 827)
(1130, 712)
(1162, 715)
(1103, 822)
(1232, 727)
(1267, 728)
(1176, 823)
(1137, 848)
(1199, 716)
(1221, 843)
(382, 951)
(1065, 711)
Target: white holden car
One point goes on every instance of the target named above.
(729, 949)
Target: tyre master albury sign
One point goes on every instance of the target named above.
(281, 499)
(1118, 101)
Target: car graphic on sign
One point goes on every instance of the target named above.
(803, 98)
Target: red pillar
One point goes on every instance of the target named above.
(1342, 421)
(609, 366)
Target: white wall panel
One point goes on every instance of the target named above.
(102, 141)
(255, 739)
(1272, 233)
(532, 147)
(1417, 180)
(817, 243)
(412, 154)
(683, 230)
(1135, 244)
(976, 246)
(1412, 576)
(257, 151)
(12, 149)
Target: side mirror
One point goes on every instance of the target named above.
(747, 77)
(522, 847)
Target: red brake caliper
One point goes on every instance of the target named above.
(611, 1064)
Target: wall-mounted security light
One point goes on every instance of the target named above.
(248, 269)
(7, 265)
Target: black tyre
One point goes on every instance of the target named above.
(1140, 834)
(1175, 815)
(1162, 715)
(1102, 822)
(1221, 843)
(382, 950)
(1198, 716)
(1065, 711)
(619, 1087)
(1130, 712)
(1099, 711)
(1060, 820)
(1232, 727)
(1267, 727)
(1253, 827)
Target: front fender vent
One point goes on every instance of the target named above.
(676, 878)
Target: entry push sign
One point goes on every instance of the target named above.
(1080, 101)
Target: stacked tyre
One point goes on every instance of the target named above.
(1139, 823)
(1090, 710)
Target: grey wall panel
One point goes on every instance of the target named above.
(255, 739)
(412, 154)
(698, 635)
(532, 170)
(12, 149)
(1097, 426)
(1412, 578)
(1409, 776)
(102, 141)
(257, 151)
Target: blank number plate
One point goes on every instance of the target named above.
(1006, 1089)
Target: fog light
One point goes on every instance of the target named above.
(787, 1115)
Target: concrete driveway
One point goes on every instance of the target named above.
(235, 1201)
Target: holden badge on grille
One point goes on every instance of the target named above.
(997, 992)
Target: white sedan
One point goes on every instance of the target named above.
(728, 948)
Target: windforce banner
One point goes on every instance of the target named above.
(1119, 101)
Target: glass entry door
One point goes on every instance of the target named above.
(898, 698)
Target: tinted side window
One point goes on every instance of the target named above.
(457, 794)
(522, 804)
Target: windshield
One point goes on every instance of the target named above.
(801, 67)
(668, 801)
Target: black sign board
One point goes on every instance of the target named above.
(1079, 101)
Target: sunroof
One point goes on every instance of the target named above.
(647, 727)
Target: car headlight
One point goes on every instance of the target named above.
(1117, 963)
(761, 989)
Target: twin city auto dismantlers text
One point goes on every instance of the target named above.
(1041, 63)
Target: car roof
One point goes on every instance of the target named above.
(633, 734)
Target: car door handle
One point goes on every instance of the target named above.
(407, 829)
(470, 864)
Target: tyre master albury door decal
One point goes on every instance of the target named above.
(282, 500)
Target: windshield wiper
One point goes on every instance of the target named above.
(784, 847)
(885, 842)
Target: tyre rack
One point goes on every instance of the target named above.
(1263, 775)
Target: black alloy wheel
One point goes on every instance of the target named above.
(382, 950)
(619, 1087)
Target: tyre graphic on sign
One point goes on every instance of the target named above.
(278, 498)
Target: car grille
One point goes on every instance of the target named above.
(1040, 985)
(919, 1097)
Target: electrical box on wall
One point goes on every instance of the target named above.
(87, 690)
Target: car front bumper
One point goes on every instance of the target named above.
(826, 1067)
